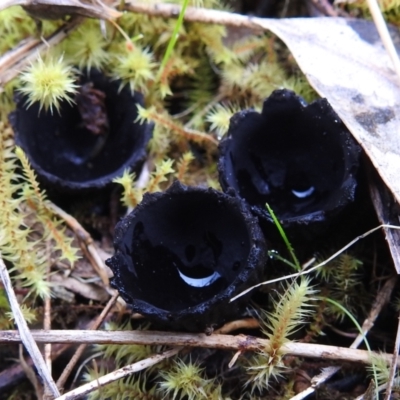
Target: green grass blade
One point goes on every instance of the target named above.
(174, 37)
(357, 325)
(284, 237)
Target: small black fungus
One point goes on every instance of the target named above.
(88, 143)
(183, 254)
(298, 158)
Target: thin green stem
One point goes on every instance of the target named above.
(284, 237)
(358, 326)
(174, 37)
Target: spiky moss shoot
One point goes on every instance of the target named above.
(5, 322)
(6, 99)
(344, 284)
(182, 134)
(86, 47)
(135, 67)
(29, 314)
(183, 380)
(211, 36)
(300, 85)
(156, 30)
(133, 195)
(183, 165)
(14, 21)
(380, 369)
(131, 388)
(48, 82)
(53, 228)
(291, 312)
(219, 117)
(253, 82)
(128, 354)
(176, 66)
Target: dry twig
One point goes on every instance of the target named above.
(393, 366)
(13, 62)
(84, 237)
(246, 323)
(118, 374)
(224, 342)
(24, 333)
(194, 14)
(382, 298)
(384, 34)
(316, 381)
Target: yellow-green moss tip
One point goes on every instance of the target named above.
(48, 82)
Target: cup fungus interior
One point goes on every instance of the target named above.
(293, 157)
(183, 250)
(60, 144)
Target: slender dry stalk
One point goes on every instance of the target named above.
(24, 333)
(224, 342)
(317, 380)
(246, 323)
(85, 238)
(118, 374)
(194, 14)
(13, 62)
(384, 34)
(47, 318)
(393, 366)
(30, 374)
(382, 298)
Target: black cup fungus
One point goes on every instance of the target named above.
(298, 158)
(183, 254)
(87, 143)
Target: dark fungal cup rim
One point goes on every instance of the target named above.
(131, 159)
(256, 256)
(315, 112)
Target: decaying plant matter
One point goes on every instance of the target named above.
(212, 72)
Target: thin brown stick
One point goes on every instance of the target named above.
(95, 325)
(125, 371)
(13, 62)
(194, 14)
(24, 333)
(246, 323)
(85, 237)
(48, 346)
(224, 342)
(382, 298)
(316, 381)
(16, 54)
(393, 365)
(30, 374)
(47, 317)
(118, 374)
